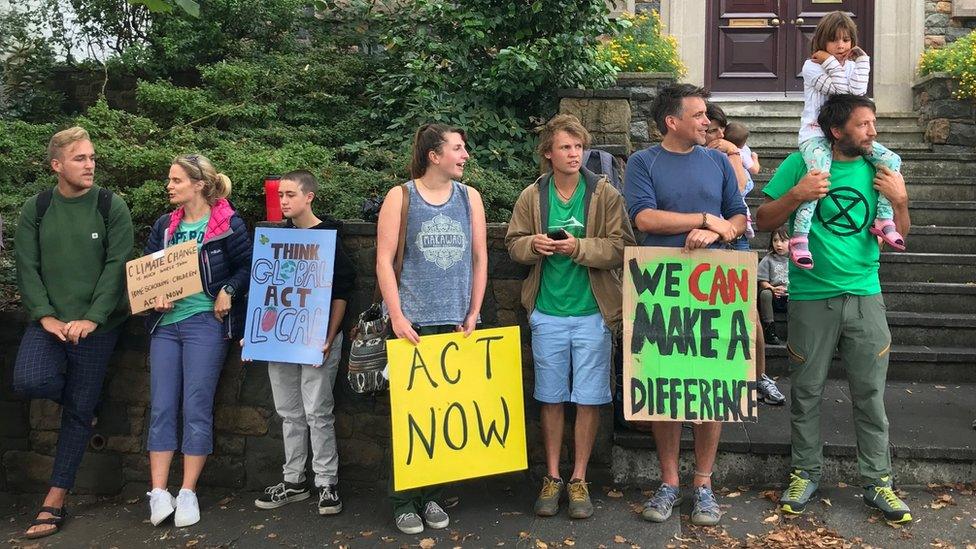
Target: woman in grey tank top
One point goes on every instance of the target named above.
(445, 270)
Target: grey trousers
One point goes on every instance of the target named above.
(304, 401)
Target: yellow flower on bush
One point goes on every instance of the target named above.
(641, 46)
(958, 59)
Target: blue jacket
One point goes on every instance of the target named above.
(225, 259)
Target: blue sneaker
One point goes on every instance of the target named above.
(659, 507)
(706, 511)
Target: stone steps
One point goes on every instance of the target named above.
(925, 188)
(918, 363)
(930, 297)
(912, 267)
(937, 329)
(923, 212)
(915, 163)
(931, 239)
(759, 452)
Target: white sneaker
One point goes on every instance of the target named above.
(187, 509)
(162, 504)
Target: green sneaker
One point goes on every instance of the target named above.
(580, 506)
(796, 496)
(547, 505)
(882, 497)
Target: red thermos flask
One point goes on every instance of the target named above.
(271, 203)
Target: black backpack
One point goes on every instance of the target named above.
(104, 206)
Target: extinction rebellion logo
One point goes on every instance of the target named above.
(844, 211)
(442, 241)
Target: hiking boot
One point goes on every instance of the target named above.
(882, 497)
(280, 494)
(769, 334)
(435, 517)
(796, 496)
(547, 504)
(580, 506)
(659, 507)
(769, 392)
(409, 523)
(706, 511)
(329, 502)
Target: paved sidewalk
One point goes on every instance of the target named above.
(497, 513)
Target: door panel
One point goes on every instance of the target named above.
(745, 49)
(804, 15)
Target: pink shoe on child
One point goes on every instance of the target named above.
(799, 253)
(891, 236)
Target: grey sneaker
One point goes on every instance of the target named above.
(659, 507)
(435, 517)
(547, 504)
(580, 506)
(410, 523)
(881, 496)
(796, 496)
(769, 392)
(706, 511)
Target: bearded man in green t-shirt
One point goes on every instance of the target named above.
(837, 305)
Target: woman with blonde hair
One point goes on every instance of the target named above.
(189, 337)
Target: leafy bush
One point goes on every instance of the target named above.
(958, 59)
(641, 46)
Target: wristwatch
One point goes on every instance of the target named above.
(229, 290)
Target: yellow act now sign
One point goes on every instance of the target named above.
(456, 407)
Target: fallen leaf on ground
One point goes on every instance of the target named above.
(569, 542)
(366, 533)
(426, 543)
(942, 501)
(539, 544)
(619, 539)
(842, 485)
(192, 542)
(257, 526)
(826, 501)
(451, 502)
(133, 500)
(225, 501)
(734, 495)
(771, 519)
(771, 495)
(615, 494)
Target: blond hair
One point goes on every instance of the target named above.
(829, 27)
(63, 138)
(198, 168)
(560, 123)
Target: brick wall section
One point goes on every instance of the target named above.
(248, 451)
(940, 27)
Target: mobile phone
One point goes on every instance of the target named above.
(558, 234)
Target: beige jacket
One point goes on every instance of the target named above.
(608, 231)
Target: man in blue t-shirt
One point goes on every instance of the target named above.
(681, 194)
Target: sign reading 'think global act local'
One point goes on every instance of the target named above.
(290, 295)
(689, 335)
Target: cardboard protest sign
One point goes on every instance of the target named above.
(172, 273)
(689, 335)
(456, 407)
(290, 295)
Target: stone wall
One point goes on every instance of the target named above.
(619, 118)
(950, 124)
(941, 27)
(248, 451)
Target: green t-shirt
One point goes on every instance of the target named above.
(565, 288)
(845, 254)
(199, 302)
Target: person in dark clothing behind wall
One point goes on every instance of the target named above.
(71, 246)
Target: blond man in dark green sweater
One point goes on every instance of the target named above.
(71, 246)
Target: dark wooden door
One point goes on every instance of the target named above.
(760, 45)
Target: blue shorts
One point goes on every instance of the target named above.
(572, 358)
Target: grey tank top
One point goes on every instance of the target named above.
(435, 284)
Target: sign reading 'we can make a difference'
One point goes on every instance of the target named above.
(689, 335)
(456, 407)
(290, 295)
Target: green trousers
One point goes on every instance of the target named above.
(415, 499)
(856, 327)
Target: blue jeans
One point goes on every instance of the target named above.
(185, 360)
(72, 376)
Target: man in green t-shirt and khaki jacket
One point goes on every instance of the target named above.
(571, 227)
(71, 246)
(837, 305)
